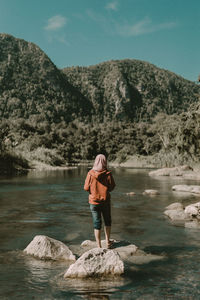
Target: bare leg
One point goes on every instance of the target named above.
(97, 234)
(107, 230)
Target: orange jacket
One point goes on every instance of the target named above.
(99, 184)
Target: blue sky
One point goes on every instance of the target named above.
(87, 32)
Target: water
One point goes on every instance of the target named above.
(53, 203)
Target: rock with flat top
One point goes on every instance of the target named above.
(194, 189)
(176, 171)
(128, 252)
(44, 247)
(96, 262)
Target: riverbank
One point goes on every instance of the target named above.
(15, 166)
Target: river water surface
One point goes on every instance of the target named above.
(54, 203)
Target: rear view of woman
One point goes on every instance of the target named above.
(99, 183)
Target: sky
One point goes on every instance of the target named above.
(165, 33)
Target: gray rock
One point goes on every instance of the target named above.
(128, 252)
(176, 171)
(45, 247)
(177, 215)
(195, 189)
(96, 262)
(193, 209)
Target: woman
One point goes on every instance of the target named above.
(99, 182)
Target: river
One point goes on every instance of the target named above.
(54, 203)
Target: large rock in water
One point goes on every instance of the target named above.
(176, 171)
(45, 247)
(96, 262)
(195, 189)
(128, 252)
(177, 212)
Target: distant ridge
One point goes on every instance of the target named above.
(33, 88)
(132, 89)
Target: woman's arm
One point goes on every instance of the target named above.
(111, 183)
(87, 183)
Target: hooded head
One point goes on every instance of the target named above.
(100, 163)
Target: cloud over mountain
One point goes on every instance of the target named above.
(55, 23)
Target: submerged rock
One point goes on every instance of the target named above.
(96, 262)
(130, 194)
(45, 247)
(151, 192)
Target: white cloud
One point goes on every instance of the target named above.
(55, 23)
(112, 5)
(144, 26)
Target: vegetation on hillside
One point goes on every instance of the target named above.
(120, 108)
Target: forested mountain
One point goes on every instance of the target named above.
(132, 89)
(31, 87)
(121, 108)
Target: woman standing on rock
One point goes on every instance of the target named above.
(99, 182)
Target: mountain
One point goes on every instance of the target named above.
(31, 87)
(132, 89)
(121, 108)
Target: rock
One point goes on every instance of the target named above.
(193, 209)
(128, 252)
(45, 247)
(176, 206)
(177, 215)
(176, 171)
(151, 192)
(130, 194)
(195, 189)
(96, 262)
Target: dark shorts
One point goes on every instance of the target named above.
(103, 209)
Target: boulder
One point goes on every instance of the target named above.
(177, 214)
(44, 247)
(176, 171)
(151, 192)
(128, 252)
(193, 209)
(96, 262)
(195, 189)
